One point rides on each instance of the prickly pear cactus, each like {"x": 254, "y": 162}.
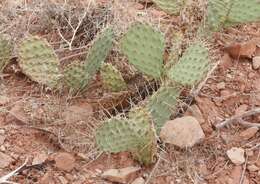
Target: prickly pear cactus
{"x": 146, "y": 149}
{"x": 243, "y": 11}
{"x": 224, "y": 13}
{"x": 144, "y": 48}
{"x": 38, "y": 61}
{"x": 134, "y": 134}
{"x": 99, "y": 51}
{"x": 112, "y": 78}
{"x": 5, "y": 52}
{"x": 77, "y": 75}
{"x": 170, "y": 6}
{"x": 192, "y": 66}
{"x": 217, "y": 13}
{"x": 162, "y": 105}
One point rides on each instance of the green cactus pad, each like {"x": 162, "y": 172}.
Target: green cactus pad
{"x": 112, "y": 78}
{"x": 134, "y": 135}
{"x": 217, "y": 13}
{"x": 5, "y": 52}
{"x": 192, "y": 66}
{"x": 99, "y": 51}
{"x": 224, "y": 13}
{"x": 243, "y": 11}
{"x": 170, "y": 6}
{"x": 162, "y": 104}
{"x": 144, "y": 48}
{"x": 145, "y": 151}
{"x": 38, "y": 61}
{"x": 77, "y": 75}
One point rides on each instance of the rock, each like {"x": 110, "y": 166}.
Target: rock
{"x": 183, "y": 132}
{"x": 256, "y": 62}
{"x": 236, "y": 155}
{"x": 2, "y": 131}
{"x": 2, "y": 139}
{"x": 248, "y": 133}
{"x": 221, "y": 85}
{"x": 124, "y": 175}
{"x": 64, "y": 161}
{"x": 40, "y": 158}
{"x": 139, "y": 181}
{"x": 252, "y": 168}
{"x": 5, "y": 160}
{"x": 225, "y": 62}
{"x": 4, "y": 100}
{"x": 77, "y": 113}
{"x": 194, "y": 110}
{"x": 241, "y": 50}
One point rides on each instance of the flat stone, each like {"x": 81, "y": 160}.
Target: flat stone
{"x": 5, "y": 160}
{"x": 236, "y": 155}
{"x": 64, "y": 161}
{"x": 4, "y": 100}
{"x": 124, "y": 175}
{"x": 182, "y": 132}
{"x": 256, "y": 62}
{"x": 248, "y": 133}
{"x": 139, "y": 180}
{"x": 252, "y": 168}
{"x": 39, "y": 159}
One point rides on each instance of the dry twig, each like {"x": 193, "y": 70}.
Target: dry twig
{"x": 4, "y": 179}
{"x": 238, "y": 118}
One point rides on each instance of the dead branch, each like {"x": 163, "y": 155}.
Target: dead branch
{"x": 4, "y": 179}
{"x": 238, "y": 118}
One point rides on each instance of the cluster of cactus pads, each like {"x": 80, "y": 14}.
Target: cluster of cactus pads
{"x": 224, "y": 13}
{"x": 144, "y": 47}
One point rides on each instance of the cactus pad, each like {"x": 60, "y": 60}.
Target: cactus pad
{"x": 5, "y": 52}
{"x": 170, "y": 6}
{"x": 77, "y": 75}
{"x": 134, "y": 134}
{"x": 112, "y": 78}
{"x": 162, "y": 104}
{"x": 38, "y": 61}
{"x": 144, "y": 48}
{"x": 99, "y": 51}
{"x": 192, "y": 66}
{"x": 224, "y": 13}
{"x": 243, "y": 11}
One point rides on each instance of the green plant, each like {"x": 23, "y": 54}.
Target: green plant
{"x": 192, "y": 66}
{"x": 134, "y": 134}
{"x": 5, "y": 52}
{"x": 38, "y": 61}
{"x": 224, "y": 13}
{"x": 170, "y": 6}
{"x": 144, "y": 48}
{"x": 111, "y": 78}
{"x": 162, "y": 104}
{"x": 78, "y": 75}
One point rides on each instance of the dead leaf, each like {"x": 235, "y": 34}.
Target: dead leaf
{"x": 241, "y": 50}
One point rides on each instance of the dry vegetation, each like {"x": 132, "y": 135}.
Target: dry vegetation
{"x": 36, "y": 120}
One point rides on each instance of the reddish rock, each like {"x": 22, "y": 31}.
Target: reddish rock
{"x": 64, "y": 161}
{"x": 124, "y": 175}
